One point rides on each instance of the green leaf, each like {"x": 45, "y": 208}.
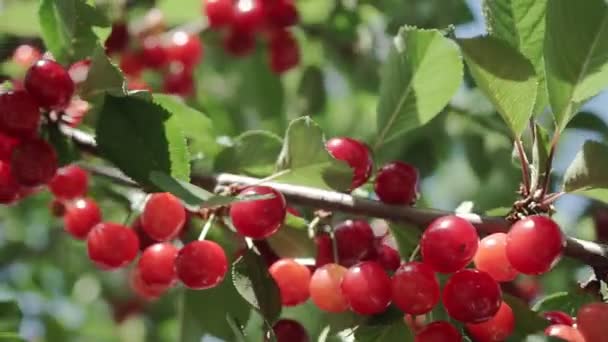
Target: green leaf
{"x": 587, "y": 174}
{"x": 197, "y": 127}
{"x": 140, "y": 137}
{"x": 10, "y": 337}
{"x": 423, "y": 71}
{"x": 103, "y": 77}
{"x": 396, "y": 331}
{"x": 253, "y": 282}
{"x": 407, "y": 238}
{"x": 294, "y": 221}
{"x": 16, "y": 18}
{"x": 253, "y": 153}
{"x": 236, "y": 329}
{"x": 576, "y": 54}
{"x": 312, "y": 97}
{"x": 189, "y": 193}
{"x": 527, "y": 322}
{"x": 67, "y": 152}
{"x": 591, "y": 122}
{"x": 67, "y": 28}
{"x": 568, "y": 302}
{"x": 305, "y": 161}
{"x": 505, "y": 76}
{"x": 10, "y": 316}
{"x": 521, "y": 23}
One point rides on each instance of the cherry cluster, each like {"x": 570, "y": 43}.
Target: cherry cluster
{"x": 245, "y": 19}
{"x": 589, "y": 324}
{"x": 174, "y": 54}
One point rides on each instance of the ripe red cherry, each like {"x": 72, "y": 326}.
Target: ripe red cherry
{"x": 185, "y": 49}
{"x": 19, "y": 114}
{"x": 259, "y": 218}
{"x": 80, "y": 217}
{"x": 388, "y": 257}
{"x": 9, "y": 188}
{"x": 523, "y": 240}
{"x": 449, "y": 243}
{"x": 179, "y": 82}
{"x": 293, "y": 280}
{"x": 26, "y": 55}
{"x": 34, "y": 162}
{"x": 143, "y": 289}
{"x": 238, "y": 43}
{"x": 284, "y": 51}
{"x": 7, "y": 145}
{"x": 50, "y": 84}
{"x": 491, "y": 257}
{"x": 281, "y": 13}
{"x": 497, "y": 329}
{"x": 325, "y": 288}
{"x": 153, "y": 53}
{"x": 438, "y": 332}
{"x": 415, "y": 289}
{"x": 324, "y": 250}
{"x": 201, "y": 265}
{"x": 111, "y": 245}
{"x": 591, "y": 321}
{"x": 163, "y": 216}
{"x": 69, "y": 182}
{"x": 248, "y": 16}
{"x": 367, "y": 288}
{"x": 355, "y": 241}
{"x": 118, "y": 40}
{"x": 219, "y": 12}
{"x": 157, "y": 265}
{"x": 355, "y": 154}
{"x": 565, "y": 333}
{"x": 287, "y": 330}
{"x": 558, "y": 317}
{"x": 131, "y": 64}
{"x": 145, "y": 241}
{"x": 471, "y": 296}
{"x": 397, "y": 183}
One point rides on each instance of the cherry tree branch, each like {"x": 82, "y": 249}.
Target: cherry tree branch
{"x": 588, "y": 252}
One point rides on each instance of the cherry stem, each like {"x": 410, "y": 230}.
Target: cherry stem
{"x": 207, "y": 227}
{"x": 312, "y": 226}
{"x": 414, "y": 254}
{"x": 549, "y": 166}
{"x": 525, "y": 171}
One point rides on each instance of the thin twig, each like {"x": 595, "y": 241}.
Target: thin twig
{"x": 525, "y": 170}
{"x": 549, "y": 166}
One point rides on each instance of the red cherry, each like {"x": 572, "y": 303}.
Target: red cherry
{"x": 324, "y": 250}
{"x": 565, "y": 333}
{"x": 201, "y": 265}
{"x": 79, "y": 71}
{"x": 388, "y": 257}
{"x": 80, "y": 217}
{"x": 19, "y": 114}
{"x": 69, "y": 182}
{"x": 293, "y": 280}
{"x": 179, "y": 82}
{"x": 415, "y": 288}
{"x": 438, "y": 332}
{"x": 25, "y": 55}
{"x": 118, "y": 40}
{"x": 157, "y": 265}
{"x": 57, "y": 208}
{"x": 287, "y": 330}
{"x": 34, "y": 162}
{"x": 9, "y": 188}
{"x": 491, "y": 257}
{"x": 367, "y": 288}
{"x": 355, "y": 241}
{"x": 281, "y": 13}
{"x": 145, "y": 240}
{"x": 284, "y": 51}
{"x": 448, "y": 244}
{"x": 239, "y": 43}
{"x": 163, "y": 216}
{"x": 325, "y": 288}
{"x": 259, "y": 219}
{"x": 219, "y": 12}
{"x": 131, "y": 64}
{"x": 185, "y": 49}
{"x": 397, "y": 183}
{"x": 471, "y": 296}
{"x": 50, "y": 84}
{"x": 523, "y": 240}
{"x": 356, "y": 154}
{"x": 591, "y": 320}
{"x": 112, "y": 245}
{"x": 497, "y": 329}
{"x": 248, "y": 16}
{"x": 558, "y": 317}
{"x": 153, "y": 53}
{"x": 7, "y": 145}
{"x": 143, "y": 289}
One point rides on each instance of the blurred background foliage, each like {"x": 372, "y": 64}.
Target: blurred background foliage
{"x": 465, "y": 153}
